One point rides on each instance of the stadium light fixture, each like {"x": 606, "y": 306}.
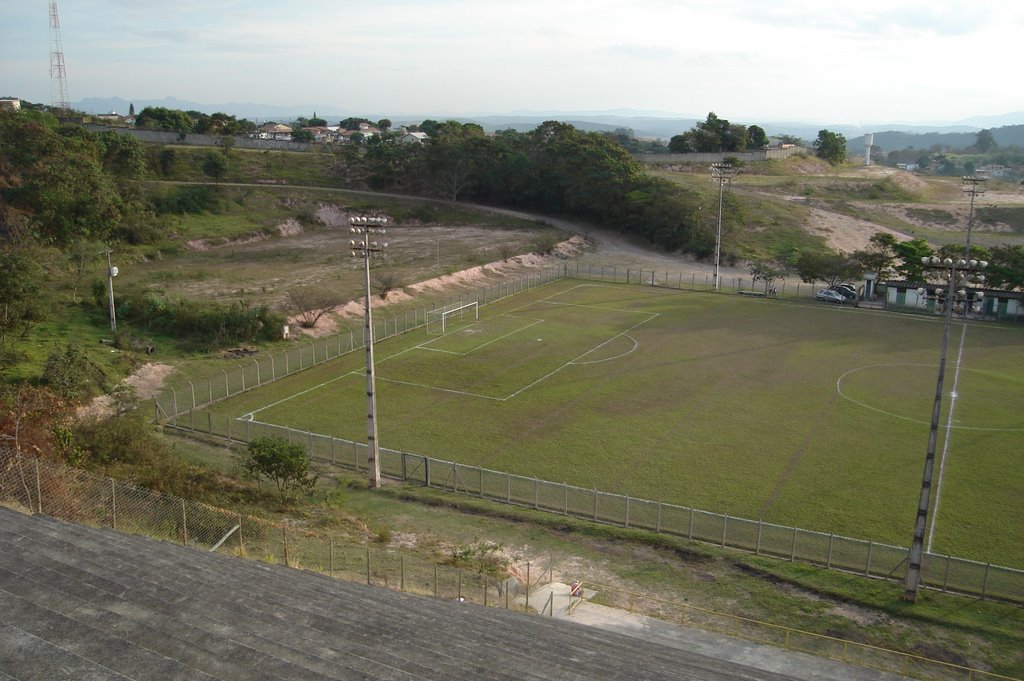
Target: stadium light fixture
{"x": 722, "y": 172}
{"x": 959, "y": 273}
{"x": 363, "y": 227}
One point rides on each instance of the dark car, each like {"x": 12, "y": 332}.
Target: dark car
{"x": 846, "y": 291}
{"x": 829, "y": 296}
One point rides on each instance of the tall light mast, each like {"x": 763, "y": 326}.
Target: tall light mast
{"x": 58, "y": 76}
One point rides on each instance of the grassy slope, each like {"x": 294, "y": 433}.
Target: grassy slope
{"x": 975, "y": 633}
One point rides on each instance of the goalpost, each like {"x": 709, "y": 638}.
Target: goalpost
{"x": 438, "y": 319}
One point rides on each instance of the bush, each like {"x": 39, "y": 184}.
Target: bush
{"x": 187, "y": 200}
{"x": 286, "y": 463}
{"x": 70, "y": 373}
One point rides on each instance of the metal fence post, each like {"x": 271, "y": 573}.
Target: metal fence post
{"x": 831, "y": 540}
{"x": 689, "y": 530}
{"x": 757, "y": 546}
{"x": 565, "y": 498}
{"x": 725, "y": 525}
{"x": 867, "y": 566}
{"x": 184, "y": 524}
{"x": 658, "y": 526}
{"x": 330, "y": 550}
{"x": 39, "y": 490}
{"x": 627, "y": 511}
{"x": 113, "y": 504}
{"x": 241, "y": 545}
{"x": 792, "y": 552}
{"x": 284, "y": 543}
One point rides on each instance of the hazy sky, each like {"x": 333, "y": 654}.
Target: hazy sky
{"x": 858, "y": 61}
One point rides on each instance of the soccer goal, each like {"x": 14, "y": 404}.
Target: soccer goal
{"x": 440, "y": 318}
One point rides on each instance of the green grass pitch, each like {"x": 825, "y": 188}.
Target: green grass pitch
{"x": 801, "y": 414}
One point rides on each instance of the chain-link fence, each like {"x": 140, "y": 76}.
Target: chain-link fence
{"x": 693, "y": 281}
{"x": 831, "y": 551}
{"x": 190, "y": 393}
{"x": 872, "y": 559}
{"x": 849, "y": 652}
{"x": 78, "y": 496}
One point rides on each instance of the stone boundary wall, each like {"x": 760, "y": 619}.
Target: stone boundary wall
{"x": 193, "y": 139}
{"x": 718, "y": 157}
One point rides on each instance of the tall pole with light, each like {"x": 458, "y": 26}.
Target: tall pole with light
{"x": 364, "y": 248}
{"x": 959, "y": 273}
{"x": 972, "y": 185}
{"x": 722, "y": 172}
{"x": 111, "y": 273}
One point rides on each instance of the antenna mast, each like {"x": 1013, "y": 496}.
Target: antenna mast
{"x": 58, "y": 77}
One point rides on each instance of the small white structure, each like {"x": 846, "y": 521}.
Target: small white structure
{"x": 869, "y": 140}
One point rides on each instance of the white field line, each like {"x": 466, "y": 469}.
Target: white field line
{"x": 839, "y": 389}
{"x": 424, "y": 346}
{"x": 619, "y": 356}
{"x": 579, "y": 357}
{"x": 949, "y": 434}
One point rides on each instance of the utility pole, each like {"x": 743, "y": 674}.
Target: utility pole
{"x": 723, "y": 172}
{"x": 111, "y": 273}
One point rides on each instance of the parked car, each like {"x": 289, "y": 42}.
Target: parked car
{"x": 846, "y": 291}
{"x": 845, "y": 287}
{"x": 829, "y": 296}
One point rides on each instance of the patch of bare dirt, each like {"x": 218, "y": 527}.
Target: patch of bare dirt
{"x": 328, "y": 324}
{"x": 147, "y": 381}
{"x": 847, "y": 234}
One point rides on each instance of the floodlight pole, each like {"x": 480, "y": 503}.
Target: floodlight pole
{"x": 957, "y": 271}
{"x": 973, "y": 185}
{"x": 723, "y": 172}
{"x": 365, "y": 248}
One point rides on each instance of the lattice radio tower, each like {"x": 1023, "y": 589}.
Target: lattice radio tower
{"x": 58, "y": 77}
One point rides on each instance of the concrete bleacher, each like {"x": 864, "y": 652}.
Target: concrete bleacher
{"x": 91, "y": 604}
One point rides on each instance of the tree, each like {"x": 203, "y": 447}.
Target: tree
{"x": 384, "y": 124}
{"x": 985, "y": 142}
{"x": 1006, "y": 270}
{"x": 70, "y": 373}
{"x": 315, "y": 122}
{"x": 681, "y": 144}
{"x": 286, "y": 463}
{"x": 304, "y": 136}
{"x": 215, "y": 164}
{"x": 311, "y": 303}
{"x": 21, "y": 280}
{"x": 767, "y": 271}
{"x": 827, "y": 266}
{"x": 831, "y": 147}
{"x": 52, "y": 179}
{"x": 756, "y": 137}
{"x": 161, "y": 118}
{"x": 879, "y": 256}
{"x": 909, "y": 254}
{"x": 352, "y": 123}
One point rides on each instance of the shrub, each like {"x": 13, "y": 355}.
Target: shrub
{"x": 70, "y": 373}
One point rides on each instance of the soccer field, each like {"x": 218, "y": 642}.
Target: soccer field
{"x": 800, "y": 414}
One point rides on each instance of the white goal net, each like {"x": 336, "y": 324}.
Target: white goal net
{"x": 440, "y": 319}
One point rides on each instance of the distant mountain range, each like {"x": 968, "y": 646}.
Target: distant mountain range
{"x": 646, "y": 124}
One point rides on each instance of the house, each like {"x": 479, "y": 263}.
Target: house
{"x": 993, "y": 170}
{"x": 413, "y": 138}
{"x": 986, "y": 303}
{"x": 324, "y": 134}
{"x": 10, "y": 104}
{"x": 274, "y": 131}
